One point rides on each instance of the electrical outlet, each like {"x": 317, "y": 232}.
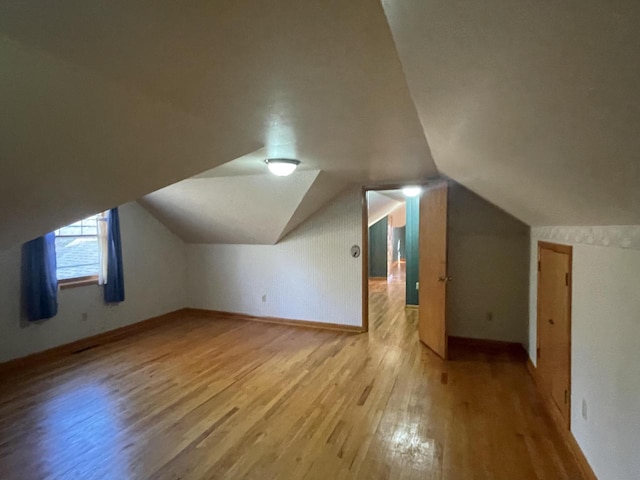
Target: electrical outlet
{"x": 85, "y": 316}
{"x": 264, "y": 298}
{"x": 417, "y": 285}
{"x": 584, "y": 409}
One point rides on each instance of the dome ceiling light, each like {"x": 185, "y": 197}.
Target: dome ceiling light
{"x": 282, "y": 166}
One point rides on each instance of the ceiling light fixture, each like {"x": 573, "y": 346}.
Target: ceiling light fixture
{"x": 411, "y": 191}
{"x": 282, "y": 166}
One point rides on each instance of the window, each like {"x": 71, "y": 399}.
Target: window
{"x": 78, "y": 251}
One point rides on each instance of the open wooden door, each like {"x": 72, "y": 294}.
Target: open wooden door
{"x": 433, "y": 268}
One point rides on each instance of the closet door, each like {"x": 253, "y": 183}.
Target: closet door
{"x": 554, "y": 324}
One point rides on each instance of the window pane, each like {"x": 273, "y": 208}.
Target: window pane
{"x": 71, "y": 230}
{"x": 86, "y": 226}
{"x": 77, "y": 252}
{"x": 89, "y": 226}
{"x": 77, "y": 257}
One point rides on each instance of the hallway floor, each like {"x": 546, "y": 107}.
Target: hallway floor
{"x": 205, "y": 398}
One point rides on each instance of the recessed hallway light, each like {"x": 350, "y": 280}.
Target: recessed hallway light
{"x": 411, "y": 191}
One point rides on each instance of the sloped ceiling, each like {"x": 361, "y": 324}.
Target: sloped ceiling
{"x": 247, "y": 209}
{"x": 395, "y": 194}
{"x": 105, "y": 102}
{"x": 199, "y": 211}
{"x": 379, "y": 206}
{"x": 250, "y": 164}
{"x": 325, "y": 188}
{"x": 534, "y": 105}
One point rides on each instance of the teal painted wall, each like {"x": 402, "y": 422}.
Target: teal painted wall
{"x": 411, "y": 248}
{"x": 378, "y": 248}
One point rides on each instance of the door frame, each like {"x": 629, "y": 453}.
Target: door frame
{"x": 568, "y": 250}
{"x": 365, "y": 238}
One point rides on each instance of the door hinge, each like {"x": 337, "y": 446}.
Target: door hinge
{"x": 539, "y": 266}
{"x": 538, "y": 353}
{"x": 566, "y": 279}
{"x": 566, "y": 396}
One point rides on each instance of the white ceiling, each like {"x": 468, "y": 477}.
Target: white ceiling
{"x": 533, "y": 105}
{"x": 395, "y": 194}
{"x": 105, "y": 102}
{"x": 247, "y": 209}
{"x": 241, "y": 209}
{"x": 250, "y": 164}
{"x": 198, "y": 209}
{"x": 379, "y": 206}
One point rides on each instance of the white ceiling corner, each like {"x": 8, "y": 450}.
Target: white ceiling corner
{"x": 324, "y": 189}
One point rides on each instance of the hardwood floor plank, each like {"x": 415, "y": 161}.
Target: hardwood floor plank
{"x": 203, "y": 398}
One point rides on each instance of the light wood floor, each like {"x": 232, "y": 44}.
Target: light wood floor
{"x": 204, "y": 398}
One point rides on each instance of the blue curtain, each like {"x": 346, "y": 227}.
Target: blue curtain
{"x": 114, "y": 288}
{"x": 39, "y": 277}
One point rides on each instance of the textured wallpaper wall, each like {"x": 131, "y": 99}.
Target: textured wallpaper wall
{"x": 310, "y": 275}
{"x": 619, "y": 236}
{"x": 605, "y": 328}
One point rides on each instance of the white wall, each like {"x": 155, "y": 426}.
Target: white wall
{"x": 605, "y": 342}
{"x": 488, "y": 260}
{"x": 398, "y": 216}
{"x": 309, "y": 275}
{"x": 155, "y": 283}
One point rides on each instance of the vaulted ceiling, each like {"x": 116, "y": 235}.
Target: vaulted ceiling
{"x": 105, "y": 102}
{"x": 242, "y": 209}
{"x": 206, "y": 210}
{"x": 532, "y": 105}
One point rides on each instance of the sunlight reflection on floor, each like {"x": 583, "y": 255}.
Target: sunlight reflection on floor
{"x": 97, "y": 446}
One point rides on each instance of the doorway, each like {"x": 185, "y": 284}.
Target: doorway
{"x": 554, "y": 325}
{"x": 404, "y": 264}
{"x": 387, "y": 259}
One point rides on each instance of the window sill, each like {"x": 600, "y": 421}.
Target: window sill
{"x": 78, "y": 282}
